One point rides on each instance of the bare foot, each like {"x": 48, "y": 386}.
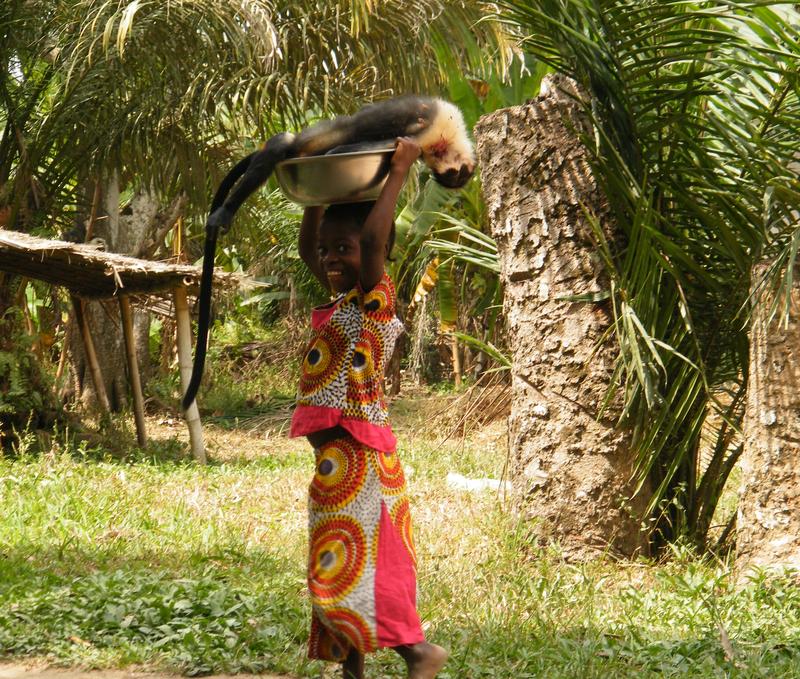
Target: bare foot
{"x": 424, "y": 660}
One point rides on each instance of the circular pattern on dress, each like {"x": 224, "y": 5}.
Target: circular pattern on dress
{"x": 390, "y": 472}
{"x": 351, "y": 625}
{"x": 337, "y": 553}
{"x": 376, "y": 534}
{"x": 376, "y": 301}
{"x": 401, "y": 518}
{"x": 330, "y": 648}
{"x": 323, "y": 359}
{"x": 325, "y": 644}
{"x": 366, "y": 355}
{"x": 351, "y": 297}
{"x": 365, "y": 374}
{"x": 339, "y": 475}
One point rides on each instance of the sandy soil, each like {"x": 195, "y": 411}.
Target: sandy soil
{"x": 40, "y": 670}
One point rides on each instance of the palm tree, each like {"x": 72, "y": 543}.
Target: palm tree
{"x": 157, "y": 97}
{"x": 694, "y": 109}
{"x": 148, "y": 87}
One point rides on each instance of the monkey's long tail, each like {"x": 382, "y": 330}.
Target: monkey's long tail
{"x": 256, "y": 168}
{"x": 204, "y": 317}
{"x": 229, "y": 181}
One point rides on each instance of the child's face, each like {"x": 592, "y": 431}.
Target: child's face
{"x": 339, "y": 254}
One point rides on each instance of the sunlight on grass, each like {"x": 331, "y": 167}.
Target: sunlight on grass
{"x": 155, "y": 560}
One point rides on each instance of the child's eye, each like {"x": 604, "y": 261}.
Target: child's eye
{"x": 341, "y": 249}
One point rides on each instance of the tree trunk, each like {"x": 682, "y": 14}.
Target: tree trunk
{"x": 570, "y": 470}
{"x": 769, "y": 521}
{"x": 124, "y": 233}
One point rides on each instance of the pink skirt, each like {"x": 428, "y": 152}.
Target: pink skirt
{"x": 362, "y": 565}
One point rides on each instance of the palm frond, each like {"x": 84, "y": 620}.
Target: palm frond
{"x": 147, "y": 87}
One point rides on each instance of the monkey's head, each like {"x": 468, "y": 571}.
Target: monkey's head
{"x": 446, "y": 147}
{"x": 454, "y": 178}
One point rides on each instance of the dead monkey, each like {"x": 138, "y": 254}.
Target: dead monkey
{"x": 436, "y": 125}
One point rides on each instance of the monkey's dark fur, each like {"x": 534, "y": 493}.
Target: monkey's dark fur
{"x": 436, "y": 125}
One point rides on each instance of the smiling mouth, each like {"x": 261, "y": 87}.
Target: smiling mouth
{"x": 335, "y": 277}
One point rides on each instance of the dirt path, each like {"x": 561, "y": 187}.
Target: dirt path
{"x": 39, "y": 670}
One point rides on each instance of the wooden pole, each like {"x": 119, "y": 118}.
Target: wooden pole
{"x": 62, "y": 359}
{"x": 456, "y": 361}
{"x": 95, "y": 206}
{"x": 183, "y": 336}
{"x": 91, "y": 355}
{"x": 133, "y": 369}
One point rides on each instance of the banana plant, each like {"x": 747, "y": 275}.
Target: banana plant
{"x": 444, "y": 245}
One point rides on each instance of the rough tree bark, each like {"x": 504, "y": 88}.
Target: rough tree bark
{"x": 129, "y": 233}
{"x": 570, "y": 470}
{"x": 768, "y": 524}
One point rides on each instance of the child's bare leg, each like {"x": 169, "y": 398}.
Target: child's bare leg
{"x": 424, "y": 660}
{"x": 353, "y": 665}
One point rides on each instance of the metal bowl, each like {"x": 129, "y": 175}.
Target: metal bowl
{"x": 336, "y": 178}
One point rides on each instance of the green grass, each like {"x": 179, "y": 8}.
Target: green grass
{"x": 150, "y": 559}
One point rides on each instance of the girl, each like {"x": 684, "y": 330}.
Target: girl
{"x": 361, "y": 569}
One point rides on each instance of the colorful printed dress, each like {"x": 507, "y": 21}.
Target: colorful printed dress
{"x": 362, "y": 564}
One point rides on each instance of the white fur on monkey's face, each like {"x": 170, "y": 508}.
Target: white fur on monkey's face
{"x": 446, "y": 147}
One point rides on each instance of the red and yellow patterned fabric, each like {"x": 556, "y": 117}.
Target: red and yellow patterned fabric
{"x": 361, "y": 565}
{"x": 341, "y": 382}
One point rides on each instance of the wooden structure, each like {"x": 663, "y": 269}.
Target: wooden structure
{"x": 93, "y": 274}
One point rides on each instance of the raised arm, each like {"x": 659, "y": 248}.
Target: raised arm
{"x": 376, "y": 229}
{"x": 308, "y": 245}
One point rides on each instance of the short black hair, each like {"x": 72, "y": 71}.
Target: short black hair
{"x": 356, "y": 213}
{"x": 353, "y": 216}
